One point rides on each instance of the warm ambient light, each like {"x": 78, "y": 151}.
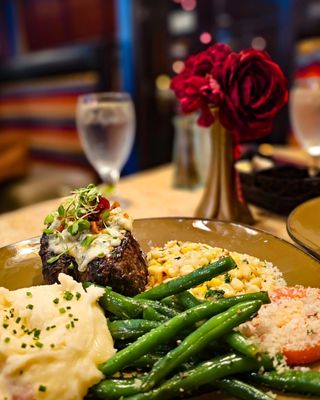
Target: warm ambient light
{"x": 163, "y": 82}
{"x": 205, "y": 37}
{"x": 188, "y": 5}
{"x": 258, "y": 43}
{"x": 177, "y": 66}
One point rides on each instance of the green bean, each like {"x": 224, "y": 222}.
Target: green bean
{"x": 171, "y": 328}
{"x": 188, "y": 281}
{"x": 116, "y": 388}
{"x": 241, "y": 344}
{"x": 127, "y": 307}
{"x": 172, "y": 302}
{"x": 151, "y": 314}
{"x": 130, "y": 329}
{"x": 305, "y": 382}
{"x": 211, "y": 330}
{"x": 146, "y": 361}
{"x": 187, "y": 300}
{"x": 203, "y": 374}
{"x": 244, "y": 346}
{"x": 119, "y": 305}
{"x": 160, "y": 308}
{"x": 241, "y": 390}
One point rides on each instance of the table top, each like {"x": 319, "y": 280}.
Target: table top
{"x": 143, "y": 195}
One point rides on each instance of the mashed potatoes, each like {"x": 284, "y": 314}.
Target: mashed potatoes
{"x": 51, "y": 340}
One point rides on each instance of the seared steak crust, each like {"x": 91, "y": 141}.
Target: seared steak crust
{"x": 125, "y": 269}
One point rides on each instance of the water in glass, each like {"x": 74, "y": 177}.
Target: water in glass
{"x": 106, "y": 124}
{"x": 305, "y": 114}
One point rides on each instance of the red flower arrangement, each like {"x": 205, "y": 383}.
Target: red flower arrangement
{"x": 247, "y": 89}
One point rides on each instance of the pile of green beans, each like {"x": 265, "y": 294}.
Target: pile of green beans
{"x": 172, "y": 345}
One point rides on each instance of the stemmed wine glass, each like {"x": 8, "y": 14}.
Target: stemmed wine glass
{"x": 305, "y": 117}
{"x": 106, "y": 126}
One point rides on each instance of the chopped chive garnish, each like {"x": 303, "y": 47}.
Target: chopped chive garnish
{"x": 86, "y": 242}
{"x": 67, "y": 295}
{"x": 70, "y": 266}
{"x": 37, "y": 333}
{"x": 56, "y": 300}
{"x": 52, "y": 260}
{"x": 30, "y": 306}
{"x": 42, "y": 388}
{"x": 62, "y": 310}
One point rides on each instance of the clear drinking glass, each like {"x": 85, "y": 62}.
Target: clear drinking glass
{"x": 305, "y": 116}
{"x": 106, "y": 125}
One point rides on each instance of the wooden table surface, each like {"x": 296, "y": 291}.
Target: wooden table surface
{"x": 146, "y": 194}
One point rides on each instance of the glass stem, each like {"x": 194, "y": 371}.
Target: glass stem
{"x": 110, "y": 176}
{"x": 315, "y": 166}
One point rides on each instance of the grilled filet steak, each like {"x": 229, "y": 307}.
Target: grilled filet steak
{"x": 124, "y": 269}
{"x": 90, "y": 239}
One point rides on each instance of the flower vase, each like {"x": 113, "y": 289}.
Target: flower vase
{"x": 222, "y": 198}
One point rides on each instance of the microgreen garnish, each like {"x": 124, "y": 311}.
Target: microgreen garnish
{"x": 76, "y": 213}
{"x": 83, "y": 224}
{"x": 83, "y": 203}
{"x": 73, "y": 228}
{"x": 105, "y": 215}
{"x": 61, "y": 211}
{"x": 49, "y": 219}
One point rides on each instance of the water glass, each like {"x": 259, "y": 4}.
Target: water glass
{"x": 106, "y": 125}
{"x": 305, "y": 116}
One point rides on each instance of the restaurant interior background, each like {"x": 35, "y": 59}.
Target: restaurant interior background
{"x": 51, "y": 51}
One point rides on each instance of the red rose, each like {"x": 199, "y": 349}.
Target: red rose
{"x": 197, "y": 86}
{"x": 255, "y": 89}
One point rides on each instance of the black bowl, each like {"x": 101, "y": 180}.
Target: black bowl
{"x": 280, "y": 189}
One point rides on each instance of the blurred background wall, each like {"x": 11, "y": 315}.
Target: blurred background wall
{"x": 51, "y": 51}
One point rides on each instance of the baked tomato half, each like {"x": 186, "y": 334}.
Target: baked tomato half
{"x": 303, "y": 353}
